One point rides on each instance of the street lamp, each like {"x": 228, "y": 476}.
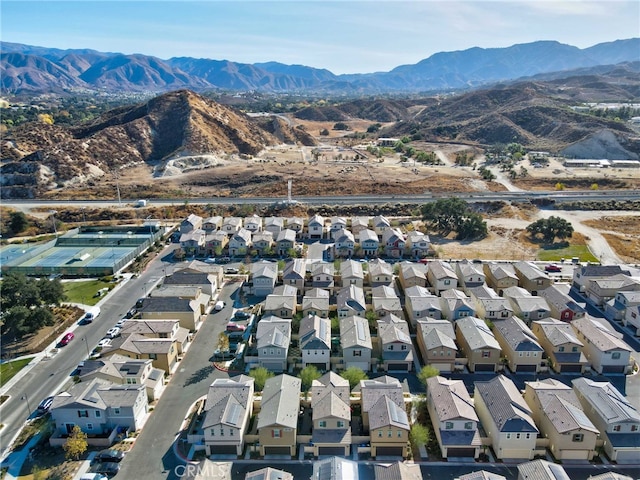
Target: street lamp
{"x": 86, "y": 345}
{"x": 25, "y": 397}
{"x": 53, "y": 220}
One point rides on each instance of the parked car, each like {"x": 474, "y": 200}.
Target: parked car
{"x": 120, "y": 323}
{"x": 242, "y": 315}
{"x": 93, "y": 476}
{"x": 552, "y": 268}
{"x": 105, "y": 342}
{"x": 131, "y": 313}
{"x": 113, "y": 332}
{"x": 45, "y": 405}
{"x": 231, "y": 270}
{"x": 222, "y": 354}
{"x": 106, "y": 468}
{"x": 219, "y": 305}
{"x": 234, "y": 327}
{"x": 109, "y": 455}
{"x": 210, "y": 260}
{"x": 66, "y": 339}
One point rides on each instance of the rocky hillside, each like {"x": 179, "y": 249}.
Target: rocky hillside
{"x": 176, "y": 125}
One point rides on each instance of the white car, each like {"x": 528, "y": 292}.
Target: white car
{"x": 120, "y": 323}
{"x": 105, "y": 342}
{"x": 113, "y": 332}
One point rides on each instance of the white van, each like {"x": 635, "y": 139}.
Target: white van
{"x": 93, "y": 476}
{"x": 218, "y": 306}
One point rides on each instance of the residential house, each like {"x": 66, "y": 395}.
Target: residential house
{"x": 122, "y": 370}
{"x": 395, "y": 344}
{"x": 351, "y": 273}
{"x": 283, "y": 302}
{"x": 158, "y": 329}
{"x": 231, "y": 225}
{"x": 191, "y": 312}
{"x": 331, "y": 415}
{"x": 350, "y": 301}
{"x": 285, "y": 242}
{"x": 273, "y": 338}
{"x": 562, "y": 306}
{"x": 441, "y": 276}
{"x": 558, "y": 414}
{"x": 519, "y": 345}
{"x": 632, "y": 318}
{"x": 488, "y": 304}
{"x": 397, "y": 471}
{"x": 253, "y": 224}
{"x": 193, "y": 242}
{"x": 163, "y": 352}
{"x": 267, "y": 473}
{"x": 385, "y": 300}
{"x": 453, "y": 417}
{"x": 278, "y": 416}
{"x": 263, "y": 277}
{"x": 412, "y": 275}
{"x": 617, "y": 419}
{"x": 480, "y": 475}
{"x": 500, "y": 276}
{"x": 262, "y": 242}
{"x": 335, "y": 225}
{"x": 316, "y": 302}
{"x": 531, "y": 277}
{"x": 212, "y": 224}
{"x": 335, "y": 468}
{"x": 203, "y": 267}
{"x": 191, "y": 223}
{"x": 315, "y": 227}
{"x": 506, "y": 418}
{"x": 421, "y": 304}
{"x": 582, "y": 275}
{"x": 355, "y": 340}
{"x": 389, "y": 429}
{"x": 530, "y": 308}
{"x": 315, "y": 342}
{"x": 294, "y": 273}
{"x": 297, "y": 225}
{"x": 600, "y": 290}
{"x": 604, "y": 348}
{"x": 380, "y": 223}
{"x": 394, "y": 243}
{"x": 322, "y": 275}
{"x": 100, "y": 409}
{"x": 369, "y": 242}
{"x": 560, "y": 343}
{"x": 274, "y": 225}
{"x": 455, "y": 304}
{"x": 418, "y": 244}
{"x": 208, "y": 283}
{"x": 380, "y": 273}
{"x": 436, "y": 340}
{"x": 478, "y": 344}
{"x": 371, "y": 391}
{"x": 240, "y": 243}
{"x": 617, "y": 308}
{"x": 344, "y": 243}
{"x": 215, "y": 243}
{"x": 541, "y": 470}
{"x": 227, "y": 410}
{"x": 469, "y": 274}
{"x": 359, "y": 223}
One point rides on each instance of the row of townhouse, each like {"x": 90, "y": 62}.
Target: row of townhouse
{"x": 230, "y": 404}
{"x": 569, "y": 421}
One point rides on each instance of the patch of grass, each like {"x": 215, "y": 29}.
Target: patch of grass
{"x": 9, "y": 369}
{"x": 83, "y": 292}
{"x": 626, "y": 246}
{"x": 556, "y": 254}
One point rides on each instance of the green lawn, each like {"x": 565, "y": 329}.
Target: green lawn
{"x": 83, "y": 292}
{"x": 9, "y": 369}
{"x": 555, "y": 255}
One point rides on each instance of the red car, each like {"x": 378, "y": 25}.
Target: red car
{"x": 234, "y": 327}
{"x": 552, "y": 268}
{"x": 66, "y": 339}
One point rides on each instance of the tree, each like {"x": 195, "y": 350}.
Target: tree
{"x": 426, "y": 373}
{"x": 76, "y": 444}
{"x": 419, "y": 435}
{"x": 340, "y": 126}
{"x": 260, "y": 376}
{"x": 223, "y": 341}
{"x": 18, "y": 222}
{"x": 453, "y": 214}
{"x": 353, "y": 375}
{"x": 308, "y": 374}
{"x": 548, "y": 229}
{"x": 51, "y": 291}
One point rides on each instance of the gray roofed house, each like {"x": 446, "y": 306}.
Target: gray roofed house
{"x": 604, "y": 347}
{"x": 355, "y": 340}
{"x": 283, "y": 301}
{"x": 315, "y": 341}
{"x": 488, "y": 304}
{"x": 387, "y": 416}
{"x": 397, "y": 471}
{"x": 480, "y": 475}
{"x": 385, "y": 300}
{"x": 192, "y": 222}
{"x": 531, "y": 277}
{"x": 506, "y": 418}
{"x": 421, "y": 304}
{"x": 190, "y": 312}
{"x": 469, "y": 274}
{"x": 351, "y": 273}
{"x": 500, "y": 276}
{"x": 335, "y": 468}
{"x": 240, "y": 242}
{"x": 193, "y": 241}
{"x": 211, "y": 224}
{"x": 344, "y": 243}
{"x": 441, "y": 276}
{"x": 436, "y": 341}
{"x": 351, "y": 301}
{"x": 583, "y": 274}
{"x": 285, "y": 241}
{"x": 263, "y": 277}
{"x": 478, "y": 344}
{"x": 455, "y": 305}
{"x": 380, "y": 223}
{"x": 530, "y": 308}
{"x": 412, "y": 274}
{"x": 372, "y": 390}
{"x": 600, "y": 290}
{"x": 617, "y": 307}
{"x": 561, "y": 344}
{"x": 268, "y": 473}
{"x": 331, "y": 415}
{"x": 278, "y": 417}
{"x": 215, "y": 242}
{"x": 380, "y": 273}
{"x": 368, "y": 241}
{"x": 322, "y": 275}
{"x": 394, "y": 243}
{"x": 617, "y": 419}
{"x": 253, "y": 223}
{"x": 359, "y": 223}
{"x": 454, "y": 418}
{"x": 562, "y": 306}
{"x": 273, "y": 338}
{"x": 519, "y": 345}
{"x": 227, "y": 410}
{"x": 274, "y": 225}
{"x": 169, "y": 328}
{"x": 418, "y": 244}
{"x": 231, "y": 225}
{"x": 541, "y": 470}
{"x": 396, "y": 344}
{"x": 296, "y": 224}
{"x": 208, "y": 282}
{"x": 337, "y": 223}
{"x": 294, "y": 273}
{"x": 262, "y": 241}
{"x": 316, "y": 302}
{"x": 330, "y": 382}
{"x": 560, "y": 418}
{"x": 315, "y": 227}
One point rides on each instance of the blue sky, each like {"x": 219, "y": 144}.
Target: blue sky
{"x": 347, "y": 36}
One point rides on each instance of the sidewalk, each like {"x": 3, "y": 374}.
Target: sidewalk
{"x": 16, "y": 459}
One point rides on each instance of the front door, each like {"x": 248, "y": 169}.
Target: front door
{"x": 69, "y": 427}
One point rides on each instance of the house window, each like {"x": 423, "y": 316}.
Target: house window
{"x": 276, "y": 433}
{"x": 508, "y": 436}
{"x": 89, "y": 426}
{"x": 83, "y": 413}
{"x": 486, "y": 353}
{"x": 340, "y": 424}
{"x": 468, "y": 425}
{"x": 322, "y": 423}
{"x": 505, "y": 314}
{"x": 615, "y": 355}
{"x": 448, "y": 425}
{"x": 403, "y": 347}
{"x": 578, "y": 437}
{"x": 213, "y": 432}
{"x": 97, "y": 413}
{"x": 131, "y": 381}
{"x": 264, "y": 351}
{"x": 271, "y": 352}
{"x": 616, "y": 428}
{"x": 390, "y": 347}
{"x": 379, "y": 433}
{"x": 561, "y": 349}
{"x": 574, "y": 349}
{"x": 399, "y": 433}
{"x": 528, "y": 436}
{"x": 520, "y": 354}
{"x": 231, "y": 432}
{"x": 634, "y": 428}
{"x": 357, "y": 353}
{"x": 116, "y": 411}
{"x": 153, "y": 356}
{"x": 447, "y": 282}
{"x": 518, "y": 436}
{"x": 389, "y": 433}
{"x": 221, "y": 432}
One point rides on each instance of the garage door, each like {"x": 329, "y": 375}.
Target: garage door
{"x": 322, "y": 367}
{"x": 223, "y": 449}
{"x": 525, "y": 368}
{"x": 461, "y": 452}
{"x": 627, "y": 456}
{"x": 442, "y": 367}
{"x": 485, "y": 367}
{"x": 570, "y": 368}
{"x": 273, "y": 367}
{"x": 613, "y": 369}
{"x": 331, "y": 451}
{"x": 389, "y": 451}
{"x": 398, "y": 367}
{"x": 277, "y": 450}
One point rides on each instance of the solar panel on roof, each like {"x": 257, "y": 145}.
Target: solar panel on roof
{"x": 360, "y": 331}
{"x": 234, "y": 414}
{"x": 393, "y": 412}
{"x": 323, "y": 329}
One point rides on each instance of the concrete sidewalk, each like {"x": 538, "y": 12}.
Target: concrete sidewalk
{"x": 16, "y": 459}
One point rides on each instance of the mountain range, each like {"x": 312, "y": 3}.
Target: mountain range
{"x": 32, "y": 69}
